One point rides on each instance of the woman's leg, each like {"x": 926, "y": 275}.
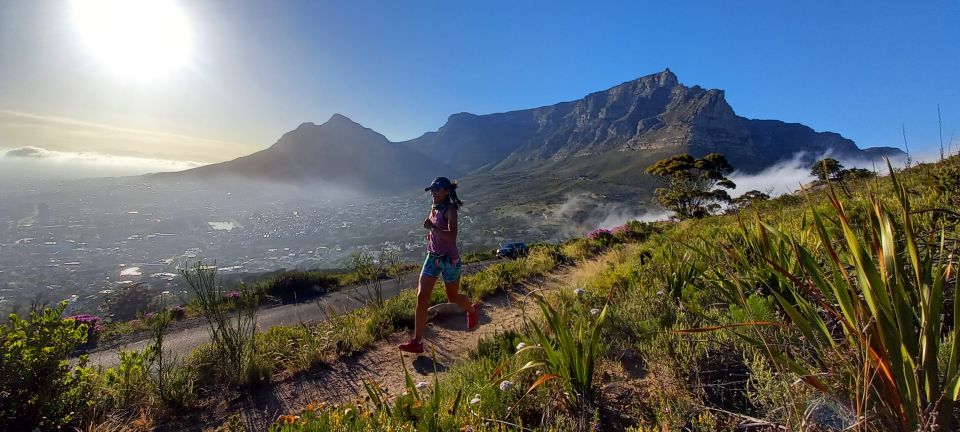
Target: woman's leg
{"x": 454, "y": 295}
{"x": 424, "y": 291}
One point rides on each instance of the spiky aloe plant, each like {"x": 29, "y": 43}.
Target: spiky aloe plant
{"x": 870, "y": 301}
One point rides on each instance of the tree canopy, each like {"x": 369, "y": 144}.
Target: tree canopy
{"x": 693, "y": 188}
{"x": 827, "y": 169}
{"x": 831, "y": 169}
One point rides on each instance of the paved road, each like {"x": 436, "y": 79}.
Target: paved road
{"x": 183, "y": 340}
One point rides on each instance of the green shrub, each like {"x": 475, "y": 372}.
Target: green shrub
{"x": 39, "y": 389}
{"x": 129, "y": 382}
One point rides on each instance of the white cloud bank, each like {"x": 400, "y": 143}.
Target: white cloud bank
{"x": 788, "y": 175}
{"x": 583, "y": 212}
{"x": 29, "y": 162}
{"x": 20, "y": 129}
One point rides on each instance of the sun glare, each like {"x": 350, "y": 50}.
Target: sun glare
{"x": 139, "y": 39}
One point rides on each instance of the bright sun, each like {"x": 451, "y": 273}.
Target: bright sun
{"x": 139, "y": 39}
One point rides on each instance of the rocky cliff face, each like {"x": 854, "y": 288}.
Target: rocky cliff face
{"x": 652, "y": 112}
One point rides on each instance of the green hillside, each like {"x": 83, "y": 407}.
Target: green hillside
{"x": 828, "y": 310}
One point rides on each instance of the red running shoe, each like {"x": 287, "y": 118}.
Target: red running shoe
{"x": 473, "y": 317}
{"x": 412, "y": 346}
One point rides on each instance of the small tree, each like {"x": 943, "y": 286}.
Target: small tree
{"x": 827, "y": 169}
{"x": 857, "y": 174}
{"x": 368, "y": 271}
{"x": 392, "y": 261}
{"x": 742, "y": 201}
{"x": 692, "y": 187}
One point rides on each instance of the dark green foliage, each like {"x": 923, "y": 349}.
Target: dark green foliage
{"x": 478, "y": 256}
{"x": 827, "y": 169}
{"x": 693, "y": 188}
{"x": 38, "y": 388}
{"x": 498, "y": 347}
{"x": 831, "y": 169}
{"x": 947, "y": 175}
{"x": 298, "y": 284}
{"x": 857, "y": 174}
{"x": 747, "y": 199}
{"x": 637, "y": 231}
{"x": 125, "y": 303}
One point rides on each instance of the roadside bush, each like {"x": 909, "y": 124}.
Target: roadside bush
{"x": 603, "y": 236}
{"x": 129, "y": 382}
{"x": 478, "y": 256}
{"x": 38, "y": 388}
{"x": 128, "y": 302}
{"x": 178, "y": 312}
{"x": 579, "y": 249}
{"x": 298, "y": 284}
{"x": 92, "y": 323}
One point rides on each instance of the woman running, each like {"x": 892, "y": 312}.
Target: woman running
{"x": 442, "y": 258}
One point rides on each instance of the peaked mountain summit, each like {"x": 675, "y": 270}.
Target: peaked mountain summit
{"x": 339, "y": 152}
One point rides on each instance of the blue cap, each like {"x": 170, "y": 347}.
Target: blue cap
{"x": 439, "y": 183}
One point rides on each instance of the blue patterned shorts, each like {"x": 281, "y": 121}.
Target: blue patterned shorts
{"x": 434, "y": 265}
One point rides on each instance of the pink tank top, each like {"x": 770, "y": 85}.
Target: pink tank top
{"x": 437, "y": 244}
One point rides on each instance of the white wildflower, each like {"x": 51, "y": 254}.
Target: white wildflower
{"x": 579, "y": 292}
{"x": 475, "y": 400}
{"x": 422, "y": 385}
{"x": 505, "y": 385}
{"x": 521, "y": 346}
{"x": 594, "y": 311}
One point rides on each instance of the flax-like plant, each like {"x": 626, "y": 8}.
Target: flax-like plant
{"x": 567, "y": 353}
{"x": 869, "y": 306}
{"x": 233, "y": 332}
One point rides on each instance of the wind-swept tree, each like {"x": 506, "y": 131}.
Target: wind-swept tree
{"x": 827, "y": 169}
{"x": 692, "y": 188}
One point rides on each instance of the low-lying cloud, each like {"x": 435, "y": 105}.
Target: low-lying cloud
{"x": 582, "y": 212}
{"x": 789, "y": 175}
{"x": 31, "y": 162}
{"x": 77, "y": 136}
{"x": 28, "y": 151}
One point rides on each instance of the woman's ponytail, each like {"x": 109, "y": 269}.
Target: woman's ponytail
{"x": 453, "y": 198}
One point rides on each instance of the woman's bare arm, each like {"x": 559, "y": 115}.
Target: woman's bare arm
{"x": 452, "y": 225}
{"x": 426, "y": 222}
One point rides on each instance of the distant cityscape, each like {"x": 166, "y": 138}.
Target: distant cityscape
{"x": 80, "y": 242}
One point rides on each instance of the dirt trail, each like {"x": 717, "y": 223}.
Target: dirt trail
{"x": 343, "y": 380}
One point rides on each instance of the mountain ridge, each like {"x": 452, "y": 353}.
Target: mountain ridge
{"x": 653, "y": 114}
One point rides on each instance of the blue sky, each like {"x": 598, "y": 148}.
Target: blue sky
{"x": 259, "y": 68}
